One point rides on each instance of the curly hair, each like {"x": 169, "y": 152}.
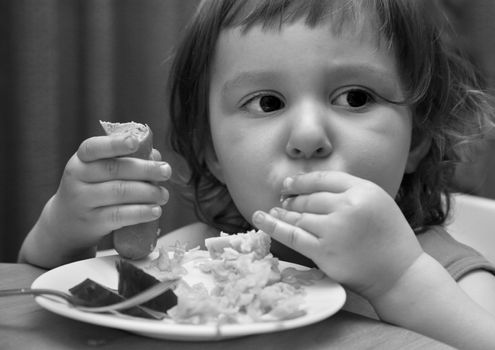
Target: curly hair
{"x": 442, "y": 88}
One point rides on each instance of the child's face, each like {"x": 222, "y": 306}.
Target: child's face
{"x": 300, "y": 100}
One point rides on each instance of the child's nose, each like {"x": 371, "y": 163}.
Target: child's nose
{"x": 309, "y": 135}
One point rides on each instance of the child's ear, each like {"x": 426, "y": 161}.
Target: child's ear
{"x": 213, "y": 164}
{"x": 419, "y": 147}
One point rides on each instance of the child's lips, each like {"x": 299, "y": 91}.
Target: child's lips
{"x": 286, "y": 194}
{"x": 284, "y": 199}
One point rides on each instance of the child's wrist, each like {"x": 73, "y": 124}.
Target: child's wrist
{"x": 49, "y": 245}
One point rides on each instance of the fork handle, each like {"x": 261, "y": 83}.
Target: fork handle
{"x": 32, "y": 291}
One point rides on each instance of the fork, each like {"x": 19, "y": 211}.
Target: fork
{"x": 80, "y": 304}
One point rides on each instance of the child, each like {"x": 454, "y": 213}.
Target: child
{"x": 349, "y": 113}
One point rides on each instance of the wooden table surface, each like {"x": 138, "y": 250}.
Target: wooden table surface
{"x": 25, "y": 325}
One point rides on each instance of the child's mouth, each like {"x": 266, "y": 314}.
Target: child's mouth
{"x": 283, "y": 197}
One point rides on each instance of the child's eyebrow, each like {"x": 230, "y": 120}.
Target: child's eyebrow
{"x": 248, "y": 77}
{"x": 376, "y": 74}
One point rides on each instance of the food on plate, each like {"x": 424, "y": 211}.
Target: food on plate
{"x": 237, "y": 280}
{"x": 133, "y": 280}
{"x": 135, "y": 241}
{"x": 94, "y": 294}
{"x": 257, "y": 242}
{"x": 248, "y": 284}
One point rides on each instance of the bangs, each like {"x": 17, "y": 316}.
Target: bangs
{"x": 349, "y": 15}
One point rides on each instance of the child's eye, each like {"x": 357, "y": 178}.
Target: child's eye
{"x": 264, "y": 103}
{"x": 354, "y": 98}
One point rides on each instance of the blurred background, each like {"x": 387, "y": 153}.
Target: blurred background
{"x": 66, "y": 64}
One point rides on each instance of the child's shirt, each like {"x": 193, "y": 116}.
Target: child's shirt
{"x": 457, "y": 258}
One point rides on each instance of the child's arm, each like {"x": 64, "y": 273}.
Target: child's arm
{"x": 480, "y": 286}
{"x": 427, "y": 300}
{"x": 356, "y": 234}
{"x": 101, "y": 190}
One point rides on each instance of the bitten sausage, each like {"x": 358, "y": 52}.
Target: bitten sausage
{"x": 135, "y": 241}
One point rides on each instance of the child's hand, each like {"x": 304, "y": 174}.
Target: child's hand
{"x": 102, "y": 190}
{"x": 351, "y": 228}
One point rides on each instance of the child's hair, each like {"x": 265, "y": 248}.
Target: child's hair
{"x": 442, "y": 89}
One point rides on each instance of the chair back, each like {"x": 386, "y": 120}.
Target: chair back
{"x": 473, "y": 223}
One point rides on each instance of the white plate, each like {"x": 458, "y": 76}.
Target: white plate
{"x": 322, "y": 299}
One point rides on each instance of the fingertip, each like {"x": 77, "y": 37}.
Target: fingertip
{"x": 276, "y": 212}
{"x": 156, "y": 211}
{"x": 165, "y": 171}
{"x": 165, "y": 195}
{"x": 131, "y": 143}
{"x": 258, "y": 218}
{"x": 265, "y": 222}
{"x": 114, "y": 145}
{"x": 86, "y": 151}
{"x": 287, "y": 185}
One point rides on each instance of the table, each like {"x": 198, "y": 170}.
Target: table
{"x": 25, "y": 325}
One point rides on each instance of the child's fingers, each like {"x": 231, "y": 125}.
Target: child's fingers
{"x": 292, "y": 236}
{"x": 316, "y": 203}
{"x": 290, "y": 217}
{"x": 319, "y": 181}
{"x": 124, "y": 192}
{"x": 124, "y": 168}
{"x": 100, "y": 147}
{"x": 115, "y": 217}
{"x": 311, "y": 223}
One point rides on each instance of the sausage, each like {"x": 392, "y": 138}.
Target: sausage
{"x": 136, "y": 241}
